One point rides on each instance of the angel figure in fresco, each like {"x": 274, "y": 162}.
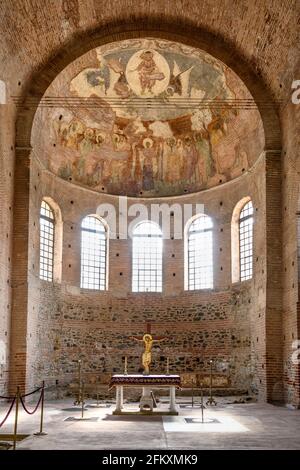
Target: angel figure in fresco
{"x": 179, "y": 81}
{"x": 146, "y": 163}
{"x": 148, "y": 71}
{"x": 147, "y": 356}
{"x": 121, "y": 87}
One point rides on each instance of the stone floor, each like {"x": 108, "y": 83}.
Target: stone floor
{"x": 226, "y": 426}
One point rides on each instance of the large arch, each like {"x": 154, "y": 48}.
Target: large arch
{"x": 185, "y": 33}
{"x": 35, "y": 88}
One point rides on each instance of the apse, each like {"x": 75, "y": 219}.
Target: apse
{"x": 148, "y": 117}
{"x": 155, "y": 122}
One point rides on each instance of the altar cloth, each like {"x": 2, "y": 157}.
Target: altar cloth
{"x": 141, "y": 380}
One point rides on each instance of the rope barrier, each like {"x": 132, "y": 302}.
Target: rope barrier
{"x": 18, "y": 398}
{"x": 23, "y": 396}
{"x": 31, "y": 393}
{"x": 36, "y": 407}
{"x": 7, "y": 398}
{"x": 8, "y": 413}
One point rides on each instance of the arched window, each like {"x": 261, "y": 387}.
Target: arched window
{"x": 147, "y": 245}
{"x": 242, "y": 240}
{"x": 47, "y": 223}
{"x": 2, "y": 92}
{"x": 93, "y": 253}
{"x": 199, "y": 253}
{"x": 246, "y": 241}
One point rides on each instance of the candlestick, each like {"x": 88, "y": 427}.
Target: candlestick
{"x": 211, "y": 400}
{"x": 79, "y": 395}
{"x": 202, "y": 406}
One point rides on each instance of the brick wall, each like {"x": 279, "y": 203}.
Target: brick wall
{"x": 6, "y": 215}
{"x": 291, "y": 292}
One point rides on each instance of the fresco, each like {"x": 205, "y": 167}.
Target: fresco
{"x": 144, "y": 117}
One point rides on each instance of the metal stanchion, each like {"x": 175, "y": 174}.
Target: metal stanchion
{"x": 79, "y": 383}
{"x": 211, "y": 400}
{"x": 16, "y": 418}
{"x": 192, "y": 394}
{"x": 82, "y": 400}
{"x": 41, "y": 432}
{"x": 202, "y": 406}
{"x": 97, "y": 394}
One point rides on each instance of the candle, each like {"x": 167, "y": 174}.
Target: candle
{"x": 168, "y": 365}
{"x": 125, "y": 366}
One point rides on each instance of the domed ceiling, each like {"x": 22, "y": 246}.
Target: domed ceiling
{"x": 147, "y": 117}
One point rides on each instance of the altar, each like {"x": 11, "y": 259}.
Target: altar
{"x": 146, "y": 383}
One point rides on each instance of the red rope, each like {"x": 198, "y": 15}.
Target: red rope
{"x": 25, "y": 395}
{"x": 8, "y": 413}
{"x": 31, "y": 393}
{"x": 37, "y": 405}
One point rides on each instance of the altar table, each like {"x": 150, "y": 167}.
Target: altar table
{"x": 147, "y": 383}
